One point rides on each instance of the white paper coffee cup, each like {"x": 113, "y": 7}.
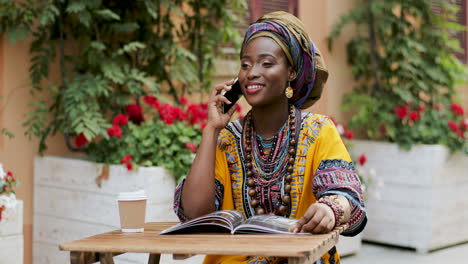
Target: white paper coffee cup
{"x": 132, "y": 210}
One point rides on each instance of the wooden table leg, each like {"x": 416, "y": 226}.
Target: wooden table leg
{"x": 106, "y": 258}
{"x": 154, "y": 258}
{"x": 82, "y": 257}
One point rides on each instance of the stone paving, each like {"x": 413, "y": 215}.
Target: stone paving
{"x": 372, "y": 254}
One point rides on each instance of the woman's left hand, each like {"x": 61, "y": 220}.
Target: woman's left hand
{"x": 319, "y": 218}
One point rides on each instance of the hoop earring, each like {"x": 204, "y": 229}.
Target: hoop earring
{"x": 289, "y": 91}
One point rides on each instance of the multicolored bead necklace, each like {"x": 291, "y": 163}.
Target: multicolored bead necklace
{"x": 267, "y": 167}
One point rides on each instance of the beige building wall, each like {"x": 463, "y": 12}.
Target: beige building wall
{"x": 17, "y": 154}
{"x": 319, "y": 16}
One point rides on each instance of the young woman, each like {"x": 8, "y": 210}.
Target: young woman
{"x": 276, "y": 160}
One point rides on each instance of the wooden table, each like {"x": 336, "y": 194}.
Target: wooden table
{"x": 103, "y": 247}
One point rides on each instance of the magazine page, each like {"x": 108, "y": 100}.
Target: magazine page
{"x": 268, "y": 224}
{"x": 219, "y": 221}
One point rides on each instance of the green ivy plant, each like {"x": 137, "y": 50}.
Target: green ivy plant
{"x": 111, "y": 53}
{"x": 402, "y": 58}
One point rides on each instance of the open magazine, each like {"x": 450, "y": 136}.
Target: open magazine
{"x": 234, "y": 222}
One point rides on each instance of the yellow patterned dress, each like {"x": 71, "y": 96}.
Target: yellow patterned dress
{"x": 322, "y": 167}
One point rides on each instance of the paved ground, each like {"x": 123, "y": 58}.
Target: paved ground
{"x": 373, "y": 254}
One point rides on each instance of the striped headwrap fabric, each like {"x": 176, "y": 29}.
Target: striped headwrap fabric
{"x": 289, "y": 33}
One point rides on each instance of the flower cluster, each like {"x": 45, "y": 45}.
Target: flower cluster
{"x": 411, "y": 116}
{"x": 7, "y": 194}
{"x": 413, "y": 123}
{"x": 151, "y": 132}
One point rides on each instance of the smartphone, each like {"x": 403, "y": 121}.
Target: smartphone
{"x": 232, "y": 95}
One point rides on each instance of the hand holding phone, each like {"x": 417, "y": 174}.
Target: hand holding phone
{"x": 232, "y": 95}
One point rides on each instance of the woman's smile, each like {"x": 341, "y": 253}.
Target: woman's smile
{"x": 253, "y": 88}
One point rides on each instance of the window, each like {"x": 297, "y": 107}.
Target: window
{"x": 257, "y": 8}
{"x": 260, "y": 7}
{"x": 461, "y": 36}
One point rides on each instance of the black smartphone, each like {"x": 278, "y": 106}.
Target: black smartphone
{"x": 233, "y": 95}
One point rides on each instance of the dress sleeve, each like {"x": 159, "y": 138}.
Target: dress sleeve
{"x": 179, "y": 209}
{"x": 335, "y": 174}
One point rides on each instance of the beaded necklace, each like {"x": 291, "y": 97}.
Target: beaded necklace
{"x": 264, "y": 168}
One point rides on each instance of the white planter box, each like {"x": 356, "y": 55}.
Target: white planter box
{"x": 11, "y": 235}
{"x": 423, "y": 202}
{"x": 349, "y": 245}
{"x": 68, "y": 204}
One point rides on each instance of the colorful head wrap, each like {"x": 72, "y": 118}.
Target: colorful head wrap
{"x": 289, "y": 33}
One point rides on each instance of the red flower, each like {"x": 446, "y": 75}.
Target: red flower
{"x": 194, "y": 112}
{"x": 457, "y": 109}
{"x": 80, "y": 140}
{"x": 349, "y": 134}
{"x": 204, "y": 106}
{"x": 362, "y": 159}
{"x": 401, "y": 112}
{"x": 464, "y": 124}
{"x": 120, "y": 119}
{"x": 453, "y": 125}
{"x": 197, "y": 113}
{"x": 192, "y": 146}
{"x": 183, "y": 100}
{"x": 150, "y": 99}
{"x": 129, "y": 166}
{"x": 461, "y": 133}
{"x": 202, "y": 125}
{"x": 184, "y": 116}
{"x": 126, "y": 159}
{"x": 115, "y": 131}
{"x": 169, "y": 113}
{"x": 134, "y": 113}
{"x": 421, "y": 108}
{"x": 9, "y": 177}
{"x": 438, "y": 107}
{"x": 1, "y": 211}
{"x": 383, "y": 130}
{"x": 414, "y": 115}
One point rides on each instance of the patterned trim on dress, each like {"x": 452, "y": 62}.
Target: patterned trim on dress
{"x": 338, "y": 163}
{"x": 338, "y": 176}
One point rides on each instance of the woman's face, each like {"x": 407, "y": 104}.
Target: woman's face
{"x": 264, "y": 73}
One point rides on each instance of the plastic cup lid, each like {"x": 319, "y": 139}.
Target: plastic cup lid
{"x": 132, "y": 196}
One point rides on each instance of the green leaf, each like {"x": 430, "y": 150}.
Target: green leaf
{"x": 108, "y": 14}
{"x": 75, "y": 7}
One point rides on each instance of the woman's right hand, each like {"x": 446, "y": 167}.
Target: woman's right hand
{"x": 217, "y": 119}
